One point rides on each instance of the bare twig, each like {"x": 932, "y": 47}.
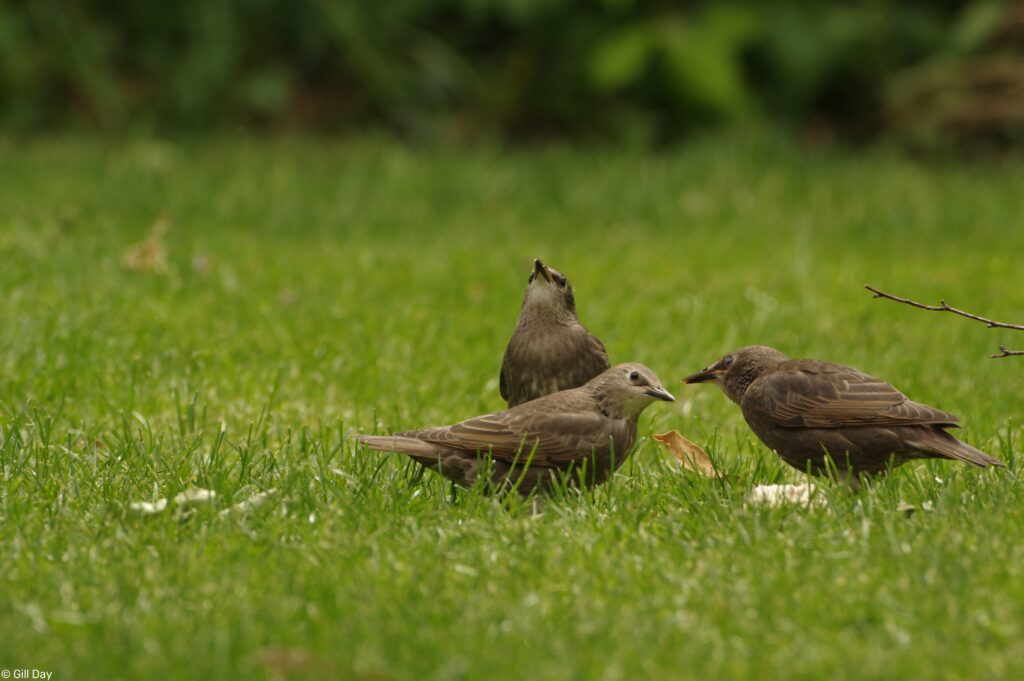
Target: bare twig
{"x": 943, "y": 307}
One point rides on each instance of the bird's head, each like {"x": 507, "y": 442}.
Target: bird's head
{"x": 735, "y": 371}
{"x": 549, "y": 293}
{"x": 626, "y": 390}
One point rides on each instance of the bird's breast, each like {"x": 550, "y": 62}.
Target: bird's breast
{"x": 759, "y": 421}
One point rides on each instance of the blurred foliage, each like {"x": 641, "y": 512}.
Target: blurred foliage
{"x": 620, "y": 70}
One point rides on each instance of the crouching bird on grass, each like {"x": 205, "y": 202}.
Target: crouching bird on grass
{"x": 549, "y": 350}
{"x": 808, "y": 411}
{"x": 583, "y": 434}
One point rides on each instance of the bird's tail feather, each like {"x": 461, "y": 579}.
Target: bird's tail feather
{"x": 394, "y": 443}
{"x": 424, "y": 452}
{"x": 945, "y": 445}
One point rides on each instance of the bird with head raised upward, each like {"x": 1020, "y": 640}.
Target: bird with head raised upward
{"x": 581, "y": 435}
{"x": 826, "y": 417}
{"x": 549, "y": 350}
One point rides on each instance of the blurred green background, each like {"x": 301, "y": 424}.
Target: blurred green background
{"x": 925, "y": 73}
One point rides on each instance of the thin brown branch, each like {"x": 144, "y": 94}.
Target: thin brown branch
{"x": 943, "y": 307}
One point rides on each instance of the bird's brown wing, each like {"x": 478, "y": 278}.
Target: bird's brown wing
{"x": 810, "y": 394}
{"x": 546, "y": 439}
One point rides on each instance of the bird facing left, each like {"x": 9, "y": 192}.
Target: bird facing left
{"x": 581, "y": 436}
{"x": 829, "y": 418}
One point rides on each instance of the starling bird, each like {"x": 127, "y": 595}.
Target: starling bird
{"x": 808, "y": 411}
{"x": 550, "y": 350}
{"x": 584, "y": 433}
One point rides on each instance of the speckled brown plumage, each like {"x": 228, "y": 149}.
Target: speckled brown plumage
{"x": 549, "y": 350}
{"x": 808, "y": 410}
{"x": 584, "y": 432}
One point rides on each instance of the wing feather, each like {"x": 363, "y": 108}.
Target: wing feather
{"x": 810, "y": 394}
{"x": 512, "y": 436}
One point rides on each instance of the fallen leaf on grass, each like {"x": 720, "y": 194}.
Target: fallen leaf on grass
{"x": 283, "y": 663}
{"x": 689, "y": 454}
{"x": 781, "y": 495}
{"x": 149, "y": 256}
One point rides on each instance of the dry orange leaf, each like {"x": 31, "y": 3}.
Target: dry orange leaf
{"x": 283, "y": 663}
{"x": 689, "y": 454}
{"x": 149, "y": 255}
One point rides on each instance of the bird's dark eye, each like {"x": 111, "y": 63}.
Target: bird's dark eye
{"x": 726, "y": 361}
{"x": 560, "y": 280}
{"x": 634, "y": 375}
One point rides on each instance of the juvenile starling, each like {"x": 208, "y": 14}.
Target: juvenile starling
{"x": 550, "y": 350}
{"x": 583, "y": 433}
{"x": 809, "y": 411}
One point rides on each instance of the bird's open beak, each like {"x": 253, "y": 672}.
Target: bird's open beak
{"x": 540, "y": 270}
{"x": 709, "y": 374}
{"x": 660, "y": 393}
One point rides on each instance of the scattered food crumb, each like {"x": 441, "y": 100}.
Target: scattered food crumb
{"x": 908, "y": 509}
{"x": 781, "y": 495}
{"x": 195, "y": 496}
{"x": 149, "y": 507}
{"x": 255, "y": 501}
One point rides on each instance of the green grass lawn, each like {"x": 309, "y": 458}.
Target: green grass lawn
{"x": 314, "y": 289}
